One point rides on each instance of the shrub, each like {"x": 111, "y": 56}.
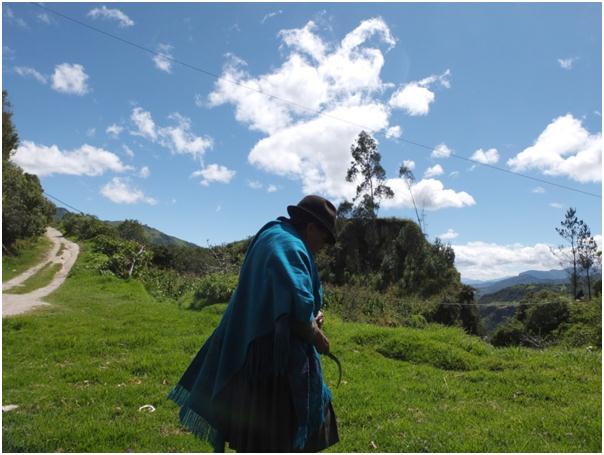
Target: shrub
{"x": 509, "y": 334}
{"x": 210, "y": 289}
{"x": 542, "y": 319}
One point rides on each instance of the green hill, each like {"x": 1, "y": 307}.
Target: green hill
{"x": 81, "y": 369}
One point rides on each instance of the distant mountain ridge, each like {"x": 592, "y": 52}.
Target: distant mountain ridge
{"x": 551, "y": 277}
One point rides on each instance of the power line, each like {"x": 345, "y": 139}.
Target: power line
{"x": 293, "y": 103}
{"x": 64, "y": 203}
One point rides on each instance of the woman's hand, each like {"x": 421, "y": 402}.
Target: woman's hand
{"x": 320, "y": 319}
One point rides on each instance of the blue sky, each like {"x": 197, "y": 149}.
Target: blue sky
{"x": 121, "y": 133}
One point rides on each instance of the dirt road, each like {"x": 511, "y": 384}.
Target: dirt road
{"x": 13, "y": 304}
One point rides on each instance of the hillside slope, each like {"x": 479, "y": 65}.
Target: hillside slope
{"x": 81, "y": 369}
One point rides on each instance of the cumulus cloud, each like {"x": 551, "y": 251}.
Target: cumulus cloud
{"x": 415, "y": 97}
{"x": 441, "y": 151}
{"x": 335, "y": 81}
{"x": 112, "y": 14}
{"x": 214, "y": 173}
{"x": 567, "y": 63}
{"x": 70, "y": 78}
{"x": 489, "y": 261}
{"x": 144, "y": 172}
{"x": 178, "y": 137}
{"x": 271, "y": 189}
{"x": 114, "y": 130}
{"x": 539, "y": 190}
{"x": 429, "y": 194}
{"x": 556, "y": 205}
{"x": 31, "y": 72}
{"x": 490, "y": 156}
{"x": 163, "y": 60}
{"x": 120, "y": 191}
{"x": 42, "y": 160}
{"x": 254, "y": 184}
{"x": 434, "y": 171}
{"x": 393, "y": 132}
{"x": 128, "y": 151}
{"x": 449, "y": 235}
{"x": 564, "y": 148}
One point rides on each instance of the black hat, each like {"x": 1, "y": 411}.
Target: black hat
{"x": 320, "y": 210}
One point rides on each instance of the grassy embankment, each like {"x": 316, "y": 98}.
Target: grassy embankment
{"x": 81, "y": 369}
{"x": 29, "y": 253}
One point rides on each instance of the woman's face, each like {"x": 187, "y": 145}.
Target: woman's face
{"x": 316, "y": 237}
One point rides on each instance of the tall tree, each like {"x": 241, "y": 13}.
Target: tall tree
{"x": 569, "y": 230}
{"x": 407, "y": 175}
{"x": 25, "y": 211}
{"x": 131, "y": 230}
{"x": 366, "y": 163}
{"x": 588, "y": 253}
{"x": 10, "y": 138}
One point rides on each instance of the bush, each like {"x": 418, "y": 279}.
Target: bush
{"x": 122, "y": 255}
{"x": 210, "y": 289}
{"x": 510, "y": 333}
{"x": 542, "y": 319}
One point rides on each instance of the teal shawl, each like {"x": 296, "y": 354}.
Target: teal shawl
{"x": 278, "y": 281}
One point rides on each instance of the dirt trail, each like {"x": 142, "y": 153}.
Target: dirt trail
{"x": 13, "y": 304}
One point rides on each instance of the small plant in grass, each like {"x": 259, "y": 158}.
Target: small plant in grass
{"x": 210, "y": 289}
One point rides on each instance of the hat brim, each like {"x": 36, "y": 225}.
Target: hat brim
{"x": 293, "y": 209}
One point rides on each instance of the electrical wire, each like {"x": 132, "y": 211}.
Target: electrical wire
{"x": 292, "y": 103}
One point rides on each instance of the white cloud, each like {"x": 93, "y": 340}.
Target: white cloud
{"x": 556, "y": 205}
{"x": 120, "y": 191}
{"x": 564, "y": 148}
{"x": 12, "y": 18}
{"x": 43, "y": 17}
{"x": 271, "y": 189}
{"x": 90, "y": 132}
{"x": 214, "y": 173}
{"x": 491, "y": 156}
{"x": 441, "y": 151}
{"x": 70, "y": 78}
{"x": 163, "y": 59}
{"x": 269, "y": 15}
{"x": 409, "y": 164}
{"x": 539, "y": 190}
{"x": 86, "y": 160}
{"x": 434, "y": 171}
{"x": 128, "y": 151}
{"x": 30, "y": 72}
{"x": 567, "y": 63}
{"x": 336, "y": 81}
{"x": 415, "y": 97}
{"x": 145, "y": 126}
{"x": 449, "y": 235}
{"x": 114, "y": 130}
{"x": 393, "y": 132}
{"x": 144, "y": 172}
{"x": 113, "y": 14}
{"x": 428, "y": 193}
{"x": 199, "y": 100}
{"x": 177, "y": 138}
{"x": 489, "y": 261}
{"x": 254, "y": 184}
{"x": 454, "y": 174}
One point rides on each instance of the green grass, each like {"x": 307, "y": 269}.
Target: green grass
{"x": 81, "y": 368}
{"x": 29, "y": 253}
{"x": 38, "y": 280}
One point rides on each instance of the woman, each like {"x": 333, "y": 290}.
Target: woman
{"x": 257, "y": 382}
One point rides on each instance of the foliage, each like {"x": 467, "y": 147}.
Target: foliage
{"x": 509, "y": 334}
{"x": 210, "y": 289}
{"x": 587, "y": 250}
{"x": 569, "y": 230}
{"x": 125, "y": 258}
{"x": 406, "y": 174}
{"x": 131, "y": 230}
{"x": 366, "y": 163}
{"x": 25, "y": 210}
{"x": 167, "y": 284}
{"x": 85, "y": 227}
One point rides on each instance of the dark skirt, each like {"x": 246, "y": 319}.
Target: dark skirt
{"x": 259, "y": 414}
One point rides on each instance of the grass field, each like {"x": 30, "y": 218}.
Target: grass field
{"x": 30, "y": 252}
{"x": 38, "y": 280}
{"x": 81, "y": 369}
